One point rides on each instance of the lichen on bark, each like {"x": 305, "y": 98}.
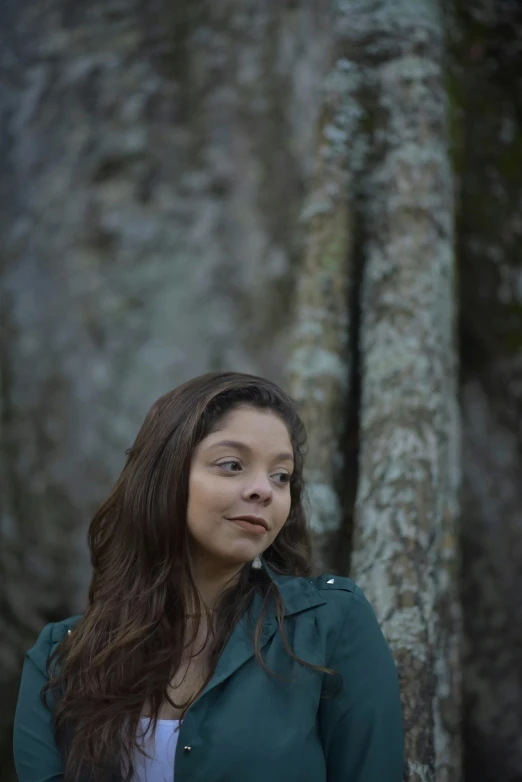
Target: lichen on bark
{"x": 319, "y": 370}
{"x": 404, "y": 552}
{"x": 149, "y": 233}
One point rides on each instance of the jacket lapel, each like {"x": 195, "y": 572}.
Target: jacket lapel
{"x": 299, "y": 594}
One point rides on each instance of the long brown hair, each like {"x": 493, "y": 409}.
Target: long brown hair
{"x": 130, "y": 640}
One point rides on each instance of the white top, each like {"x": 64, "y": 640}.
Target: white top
{"x": 162, "y": 747}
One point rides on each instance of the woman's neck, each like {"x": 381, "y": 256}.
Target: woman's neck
{"x": 212, "y": 579}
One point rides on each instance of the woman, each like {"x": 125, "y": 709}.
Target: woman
{"x": 206, "y": 652}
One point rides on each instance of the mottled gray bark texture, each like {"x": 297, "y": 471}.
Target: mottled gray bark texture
{"x": 319, "y": 372}
{"x": 404, "y": 546}
{"x": 267, "y": 186}
{"x": 486, "y": 94}
{"x": 154, "y": 158}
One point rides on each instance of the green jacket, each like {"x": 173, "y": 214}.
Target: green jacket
{"x": 247, "y": 726}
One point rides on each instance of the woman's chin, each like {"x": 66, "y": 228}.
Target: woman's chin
{"x": 237, "y": 556}
{"x": 227, "y": 552}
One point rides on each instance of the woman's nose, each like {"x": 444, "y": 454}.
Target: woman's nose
{"x": 259, "y": 490}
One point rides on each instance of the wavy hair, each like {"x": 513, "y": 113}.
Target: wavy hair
{"x": 130, "y": 640}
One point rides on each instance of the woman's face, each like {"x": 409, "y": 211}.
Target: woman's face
{"x": 239, "y": 487}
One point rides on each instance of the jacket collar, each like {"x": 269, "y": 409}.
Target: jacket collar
{"x": 298, "y": 594}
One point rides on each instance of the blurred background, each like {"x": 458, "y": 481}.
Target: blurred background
{"x": 324, "y": 192}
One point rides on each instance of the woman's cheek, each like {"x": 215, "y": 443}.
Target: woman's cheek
{"x": 217, "y": 494}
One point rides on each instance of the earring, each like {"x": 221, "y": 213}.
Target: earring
{"x": 256, "y": 563}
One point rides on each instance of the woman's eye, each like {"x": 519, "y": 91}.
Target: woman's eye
{"x": 284, "y": 477}
{"x": 232, "y": 465}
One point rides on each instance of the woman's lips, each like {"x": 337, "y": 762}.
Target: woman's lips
{"x": 249, "y": 526}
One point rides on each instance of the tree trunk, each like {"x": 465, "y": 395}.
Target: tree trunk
{"x": 404, "y": 547}
{"x": 319, "y": 371}
{"x": 154, "y": 160}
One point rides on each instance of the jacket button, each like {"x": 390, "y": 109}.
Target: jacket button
{"x": 187, "y": 749}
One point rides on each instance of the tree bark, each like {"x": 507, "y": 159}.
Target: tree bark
{"x": 404, "y": 547}
{"x": 154, "y": 160}
{"x": 319, "y": 371}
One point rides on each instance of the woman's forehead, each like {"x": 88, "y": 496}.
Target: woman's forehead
{"x": 252, "y": 429}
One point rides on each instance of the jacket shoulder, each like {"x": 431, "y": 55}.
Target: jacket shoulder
{"x": 60, "y": 629}
{"x": 340, "y": 594}
{"x": 329, "y": 582}
{"x": 49, "y": 638}
{"x": 345, "y": 606}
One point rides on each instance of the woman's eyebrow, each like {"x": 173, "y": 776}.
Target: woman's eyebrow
{"x": 284, "y": 456}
